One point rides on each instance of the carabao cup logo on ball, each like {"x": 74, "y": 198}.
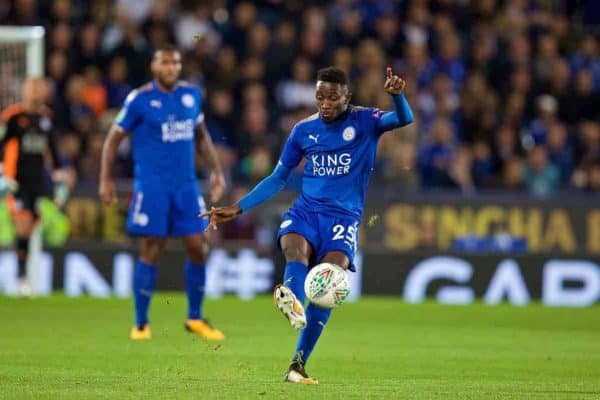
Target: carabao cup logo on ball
{"x": 320, "y": 282}
{"x": 340, "y": 296}
{"x": 327, "y": 285}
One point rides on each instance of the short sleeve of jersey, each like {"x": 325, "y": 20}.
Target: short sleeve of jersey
{"x": 8, "y": 121}
{"x": 6, "y": 130}
{"x": 130, "y": 115}
{"x": 292, "y": 152}
{"x": 200, "y": 100}
{"x": 3, "y": 132}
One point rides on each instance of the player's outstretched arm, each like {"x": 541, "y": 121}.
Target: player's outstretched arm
{"x": 267, "y": 188}
{"x": 402, "y": 115}
{"x": 208, "y": 152}
{"x": 106, "y": 189}
{"x": 262, "y": 192}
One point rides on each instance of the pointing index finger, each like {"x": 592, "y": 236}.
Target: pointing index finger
{"x": 207, "y": 213}
{"x": 388, "y": 72}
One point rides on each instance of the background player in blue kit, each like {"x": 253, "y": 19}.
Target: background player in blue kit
{"x": 165, "y": 121}
{"x": 339, "y": 143}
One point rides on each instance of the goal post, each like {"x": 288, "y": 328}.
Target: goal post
{"x": 21, "y": 55}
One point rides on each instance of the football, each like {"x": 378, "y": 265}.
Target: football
{"x": 327, "y": 285}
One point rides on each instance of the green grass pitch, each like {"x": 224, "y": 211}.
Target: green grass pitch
{"x": 378, "y": 348}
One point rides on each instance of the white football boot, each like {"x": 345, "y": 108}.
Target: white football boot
{"x": 297, "y": 374}
{"x": 288, "y": 304}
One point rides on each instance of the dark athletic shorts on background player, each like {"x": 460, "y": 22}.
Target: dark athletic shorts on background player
{"x": 26, "y": 198}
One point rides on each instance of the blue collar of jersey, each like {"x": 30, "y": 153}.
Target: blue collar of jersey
{"x": 156, "y": 86}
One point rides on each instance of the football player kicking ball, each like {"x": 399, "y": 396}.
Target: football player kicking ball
{"x": 339, "y": 143}
{"x": 165, "y": 121}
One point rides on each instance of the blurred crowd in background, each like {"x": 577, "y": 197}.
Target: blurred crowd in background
{"x": 506, "y": 93}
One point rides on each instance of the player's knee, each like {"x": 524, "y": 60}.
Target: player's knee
{"x": 24, "y": 224}
{"x": 338, "y": 258}
{"x": 151, "y": 250}
{"x": 198, "y": 253}
{"x": 294, "y": 253}
{"x": 196, "y": 248}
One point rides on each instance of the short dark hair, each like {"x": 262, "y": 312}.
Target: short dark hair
{"x": 332, "y": 75}
{"x": 166, "y": 48}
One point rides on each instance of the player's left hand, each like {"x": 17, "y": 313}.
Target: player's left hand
{"x": 393, "y": 83}
{"x": 7, "y": 186}
{"x": 221, "y": 214}
{"x": 217, "y": 186}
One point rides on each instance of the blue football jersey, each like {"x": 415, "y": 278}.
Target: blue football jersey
{"x": 339, "y": 160}
{"x": 162, "y": 127}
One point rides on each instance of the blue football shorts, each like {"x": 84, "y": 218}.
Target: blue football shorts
{"x": 161, "y": 212}
{"x": 325, "y": 233}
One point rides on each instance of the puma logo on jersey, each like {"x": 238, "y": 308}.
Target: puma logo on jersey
{"x": 315, "y": 138}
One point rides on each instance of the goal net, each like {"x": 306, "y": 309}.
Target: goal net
{"x": 21, "y": 55}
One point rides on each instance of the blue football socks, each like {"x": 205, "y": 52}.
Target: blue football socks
{"x": 293, "y": 279}
{"x": 316, "y": 319}
{"x": 195, "y": 280}
{"x": 144, "y": 283}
